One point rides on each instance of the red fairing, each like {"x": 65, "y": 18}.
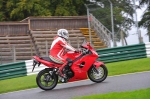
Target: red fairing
{"x": 89, "y": 60}
{"x": 98, "y": 64}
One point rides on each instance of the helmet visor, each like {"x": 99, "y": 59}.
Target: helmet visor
{"x": 66, "y": 35}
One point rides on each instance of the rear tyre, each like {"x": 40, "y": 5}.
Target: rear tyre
{"x": 98, "y": 77}
{"x": 46, "y": 81}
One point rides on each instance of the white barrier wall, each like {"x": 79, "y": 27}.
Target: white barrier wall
{"x": 147, "y": 47}
{"x": 29, "y": 66}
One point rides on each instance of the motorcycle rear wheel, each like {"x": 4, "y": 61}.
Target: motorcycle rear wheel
{"x": 46, "y": 81}
{"x": 98, "y": 77}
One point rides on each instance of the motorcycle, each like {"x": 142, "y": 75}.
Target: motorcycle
{"x": 80, "y": 66}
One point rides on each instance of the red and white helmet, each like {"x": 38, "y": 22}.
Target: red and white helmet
{"x": 63, "y": 33}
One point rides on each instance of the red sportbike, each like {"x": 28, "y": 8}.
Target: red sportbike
{"x": 80, "y": 66}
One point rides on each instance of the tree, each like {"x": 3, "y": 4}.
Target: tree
{"x": 145, "y": 21}
{"x": 4, "y": 10}
{"x": 14, "y": 10}
{"x": 69, "y": 8}
{"x": 142, "y": 2}
{"x": 25, "y": 8}
{"x": 122, "y": 12}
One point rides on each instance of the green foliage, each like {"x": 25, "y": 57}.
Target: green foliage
{"x": 2, "y": 16}
{"x": 65, "y": 8}
{"x": 142, "y": 2}
{"x": 26, "y": 8}
{"x": 13, "y": 10}
{"x": 145, "y": 21}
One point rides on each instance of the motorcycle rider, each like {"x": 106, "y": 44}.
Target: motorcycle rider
{"x": 57, "y": 49}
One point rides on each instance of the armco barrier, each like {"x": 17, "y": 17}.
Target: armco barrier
{"x": 18, "y": 69}
{"x": 12, "y": 70}
{"x": 106, "y": 55}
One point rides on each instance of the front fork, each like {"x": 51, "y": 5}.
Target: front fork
{"x": 96, "y": 65}
{"x": 95, "y": 69}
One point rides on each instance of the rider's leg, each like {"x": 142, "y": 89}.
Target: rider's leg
{"x": 59, "y": 61}
{"x": 61, "y": 69}
{"x": 56, "y": 60}
{"x": 67, "y": 63}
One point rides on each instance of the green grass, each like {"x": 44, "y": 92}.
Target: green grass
{"x": 15, "y": 84}
{"x": 116, "y": 68}
{"x": 137, "y": 94}
{"x": 129, "y": 66}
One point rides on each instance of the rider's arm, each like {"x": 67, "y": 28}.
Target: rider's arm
{"x": 66, "y": 45}
{"x": 69, "y": 47}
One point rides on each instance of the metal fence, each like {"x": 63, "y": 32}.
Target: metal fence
{"x": 15, "y": 56}
{"x": 103, "y": 33}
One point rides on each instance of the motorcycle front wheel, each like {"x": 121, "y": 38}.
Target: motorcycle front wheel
{"x": 46, "y": 81}
{"x": 100, "y": 76}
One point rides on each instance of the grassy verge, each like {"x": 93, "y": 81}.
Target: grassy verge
{"x": 129, "y": 66}
{"x": 15, "y": 84}
{"x": 137, "y": 94}
{"x": 116, "y": 68}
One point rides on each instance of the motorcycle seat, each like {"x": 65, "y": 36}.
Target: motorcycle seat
{"x": 47, "y": 59}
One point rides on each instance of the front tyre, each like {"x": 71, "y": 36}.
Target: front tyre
{"x": 46, "y": 81}
{"x": 100, "y": 76}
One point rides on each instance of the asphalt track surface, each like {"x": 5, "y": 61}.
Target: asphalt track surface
{"x": 83, "y": 88}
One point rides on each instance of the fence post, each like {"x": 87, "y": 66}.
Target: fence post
{"x": 31, "y": 49}
{"x": 46, "y": 48}
{"x": 69, "y": 42}
{"x": 122, "y": 38}
{"x": 78, "y": 42}
{"x": 0, "y": 59}
{"x": 14, "y": 54}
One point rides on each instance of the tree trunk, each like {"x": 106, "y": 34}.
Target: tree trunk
{"x": 125, "y": 41}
